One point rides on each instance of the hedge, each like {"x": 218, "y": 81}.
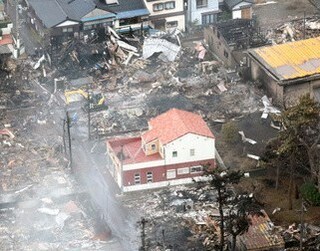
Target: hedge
{"x": 310, "y": 193}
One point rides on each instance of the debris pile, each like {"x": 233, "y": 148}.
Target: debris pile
{"x": 295, "y": 30}
{"x": 310, "y": 236}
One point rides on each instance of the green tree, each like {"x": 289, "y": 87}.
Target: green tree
{"x": 301, "y": 129}
{"x": 233, "y": 209}
{"x": 230, "y": 133}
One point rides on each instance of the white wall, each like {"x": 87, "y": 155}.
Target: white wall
{"x": 155, "y": 163}
{"x": 204, "y": 149}
{"x": 195, "y": 14}
{"x": 179, "y": 7}
{"x": 180, "y": 19}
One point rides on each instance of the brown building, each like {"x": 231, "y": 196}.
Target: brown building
{"x": 289, "y": 70}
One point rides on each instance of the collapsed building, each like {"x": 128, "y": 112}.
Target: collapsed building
{"x": 228, "y": 39}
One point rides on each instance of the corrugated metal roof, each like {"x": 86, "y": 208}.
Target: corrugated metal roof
{"x": 261, "y": 235}
{"x": 291, "y": 60}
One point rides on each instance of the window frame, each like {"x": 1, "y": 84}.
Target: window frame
{"x": 149, "y": 176}
{"x": 137, "y": 181}
{"x": 168, "y": 3}
{"x": 203, "y": 5}
{"x": 158, "y": 4}
{"x": 183, "y": 170}
{"x": 172, "y": 172}
{"x": 193, "y": 169}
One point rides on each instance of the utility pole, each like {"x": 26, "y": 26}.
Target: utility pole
{"x": 64, "y": 136}
{"x": 143, "y": 222}
{"x": 69, "y": 137}
{"x": 301, "y": 225}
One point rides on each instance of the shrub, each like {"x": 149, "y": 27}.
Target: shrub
{"x": 310, "y": 193}
{"x": 230, "y": 133}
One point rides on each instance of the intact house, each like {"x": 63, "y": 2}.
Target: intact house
{"x": 202, "y": 12}
{"x": 260, "y": 236}
{"x": 288, "y": 71}
{"x": 130, "y": 15}
{"x": 173, "y": 151}
{"x": 240, "y": 8}
{"x": 166, "y": 14}
{"x": 228, "y": 39}
{"x": 55, "y": 20}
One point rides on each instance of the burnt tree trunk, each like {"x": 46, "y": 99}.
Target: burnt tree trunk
{"x": 221, "y": 220}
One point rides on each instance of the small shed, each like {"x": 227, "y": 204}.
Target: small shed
{"x": 288, "y": 71}
{"x": 240, "y": 8}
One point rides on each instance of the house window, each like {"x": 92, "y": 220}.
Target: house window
{"x": 67, "y": 29}
{"x": 158, "y": 7}
{"x": 172, "y": 24}
{"x": 202, "y": 3}
{"x": 196, "y": 169}
{"x": 171, "y": 174}
{"x": 87, "y": 27}
{"x": 149, "y": 177}
{"x": 174, "y": 154}
{"x": 153, "y": 147}
{"x": 191, "y": 152}
{"x": 170, "y": 5}
{"x": 137, "y": 178}
{"x": 208, "y": 19}
{"x": 183, "y": 170}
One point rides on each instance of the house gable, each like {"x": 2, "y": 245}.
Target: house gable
{"x": 189, "y": 147}
{"x": 98, "y": 14}
{"x": 67, "y": 23}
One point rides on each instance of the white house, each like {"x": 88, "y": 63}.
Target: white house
{"x": 240, "y": 8}
{"x": 173, "y": 151}
{"x": 166, "y": 14}
{"x": 202, "y": 12}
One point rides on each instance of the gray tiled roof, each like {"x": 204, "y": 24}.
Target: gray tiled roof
{"x": 232, "y": 3}
{"x": 76, "y": 9}
{"x": 124, "y": 5}
{"x": 53, "y": 12}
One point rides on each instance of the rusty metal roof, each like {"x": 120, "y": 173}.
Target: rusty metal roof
{"x": 261, "y": 235}
{"x": 291, "y": 60}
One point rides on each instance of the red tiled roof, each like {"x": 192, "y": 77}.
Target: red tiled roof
{"x": 260, "y": 235}
{"x": 6, "y": 39}
{"x": 175, "y": 123}
{"x": 132, "y": 151}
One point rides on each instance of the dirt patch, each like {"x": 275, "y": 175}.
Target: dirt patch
{"x": 282, "y": 11}
{"x": 271, "y": 198}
